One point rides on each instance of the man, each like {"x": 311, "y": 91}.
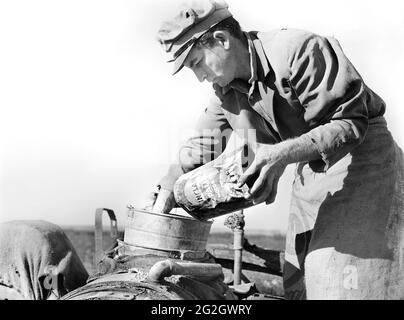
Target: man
{"x": 307, "y": 105}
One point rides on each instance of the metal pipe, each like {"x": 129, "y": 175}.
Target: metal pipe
{"x": 238, "y": 255}
{"x": 167, "y": 268}
{"x": 236, "y": 223}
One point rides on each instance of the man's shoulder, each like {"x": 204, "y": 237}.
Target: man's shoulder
{"x": 281, "y": 45}
{"x": 285, "y": 37}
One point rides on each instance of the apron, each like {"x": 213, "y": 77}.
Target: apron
{"x": 346, "y": 225}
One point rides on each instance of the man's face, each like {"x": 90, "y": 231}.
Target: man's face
{"x": 211, "y": 63}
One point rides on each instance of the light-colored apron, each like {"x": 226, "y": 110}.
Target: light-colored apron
{"x": 345, "y": 236}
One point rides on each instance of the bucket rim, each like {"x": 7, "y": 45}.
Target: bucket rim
{"x": 172, "y": 215}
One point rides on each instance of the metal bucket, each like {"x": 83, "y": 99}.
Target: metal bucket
{"x": 167, "y": 232}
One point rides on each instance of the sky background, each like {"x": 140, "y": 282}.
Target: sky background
{"x": 91, "y": 116}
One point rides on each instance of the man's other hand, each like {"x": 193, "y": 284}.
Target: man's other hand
{"x": 160, "y": 201}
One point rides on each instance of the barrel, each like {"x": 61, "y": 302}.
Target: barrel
{"x": 128, "y": 286}
{"x": 150, "y": 277}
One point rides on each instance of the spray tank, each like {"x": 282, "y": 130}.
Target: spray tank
{"x": 165, "y": 257}
{"x": 162, "y": 257}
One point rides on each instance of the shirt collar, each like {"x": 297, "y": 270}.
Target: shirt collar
{"x": 253, "y": 60}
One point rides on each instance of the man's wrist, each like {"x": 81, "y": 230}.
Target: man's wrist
{"x": 278, "y": 153}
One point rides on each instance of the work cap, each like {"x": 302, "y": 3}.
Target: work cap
{"x": 193, "y": 19}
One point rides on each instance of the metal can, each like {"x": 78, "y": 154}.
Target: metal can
{"x": 211, "y": 190}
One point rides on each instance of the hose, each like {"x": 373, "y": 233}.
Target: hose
{"x": 167, "y": 268}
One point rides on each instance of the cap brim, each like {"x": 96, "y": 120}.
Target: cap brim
{"x": 179, "y": 61}
{"x": 195, "y": 33}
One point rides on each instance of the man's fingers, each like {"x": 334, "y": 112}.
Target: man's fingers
{"x": 164, "y": 202}
{"x": 247, "y": 174}
{"x": 150, "y": 200}
{"x": 259, "y": 182}
{"x": 272, "y": 195}
{"x": 262, "y": 193}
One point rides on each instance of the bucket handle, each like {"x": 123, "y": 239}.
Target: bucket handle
{"x": 99, "y": 251}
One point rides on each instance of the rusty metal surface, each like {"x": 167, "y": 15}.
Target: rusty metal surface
{"x": 122, "y": 288}
{"x": 128, "y": 279}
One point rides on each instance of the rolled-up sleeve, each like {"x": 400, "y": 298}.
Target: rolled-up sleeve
{"x": 333, "y": 96}
{"x": 210, "y": 137}
{"x": 207, "y": 142}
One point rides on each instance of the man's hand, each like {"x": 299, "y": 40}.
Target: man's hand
{"x": 151, "y": 199}
{"x": 160, "y": 201}
{"x": 269, "y": 164}
{"x": 165, "y": 202}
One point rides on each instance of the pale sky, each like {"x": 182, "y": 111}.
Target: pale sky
{"x": 91, "y": 116}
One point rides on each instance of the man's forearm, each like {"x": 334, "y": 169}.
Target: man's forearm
{"x": 300, "y": 149}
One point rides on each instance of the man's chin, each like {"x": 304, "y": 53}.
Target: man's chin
{"x": 220, "y": 82}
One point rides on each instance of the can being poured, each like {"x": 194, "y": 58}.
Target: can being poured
{"x": 211, "y": 190}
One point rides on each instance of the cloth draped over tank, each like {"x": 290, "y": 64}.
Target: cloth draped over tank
{"x": 38, "y": 261}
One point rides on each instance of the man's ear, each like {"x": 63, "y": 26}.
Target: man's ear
{"x": 223, "y": 37}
